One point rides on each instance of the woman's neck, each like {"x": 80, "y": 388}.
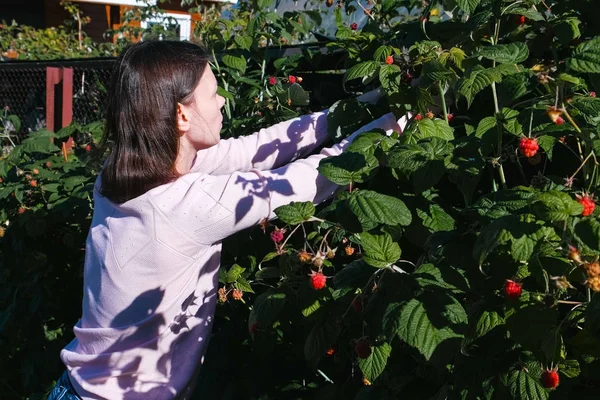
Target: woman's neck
{"x": 185, "y": 158}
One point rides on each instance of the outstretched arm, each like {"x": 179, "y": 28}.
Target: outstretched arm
{"x": 212, "y": 207}
{"x": 271, "y": 147}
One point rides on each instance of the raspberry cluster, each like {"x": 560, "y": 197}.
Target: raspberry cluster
{"x": 528, "y": 146}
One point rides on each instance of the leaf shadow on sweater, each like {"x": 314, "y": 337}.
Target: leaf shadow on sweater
{"x": 199, "y": 306}
{"x": 291, "y": 149}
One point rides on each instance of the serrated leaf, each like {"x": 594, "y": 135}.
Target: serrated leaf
{"x": 523, "y": 386}
{"x": 417, "y": 329}
{"x": 320, "y": 339}
{"x": 348, "y": 167}
{"x": 354, "y": 275}
{"x": 361, "y": 70}
{"x": 244, "y": 42}
{"x": 38, "y": 145}
{"x": 379, "y": 250}
{"x": 295, "y": 212}
{"x": 487, "y": 321}
{"x": 588, "y": 231}
{"x": 468, "y": 6}
{"x": 236, "y": 62}
{"x": 234, "y": 273}
{"x": 478, "y": 78}
{"x": 511, "y": 53}
{"x": 374, "y": 365}
{"x": 569, "y": 368}
{"x": 434, "y": 128}
{"x": 586, "y": 57}
{"x": 555, "y": 205}
{"x": 267, "y": 307}
{"x": 379, "y": 208}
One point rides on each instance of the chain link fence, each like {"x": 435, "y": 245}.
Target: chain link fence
{"x": 23, "y": 90}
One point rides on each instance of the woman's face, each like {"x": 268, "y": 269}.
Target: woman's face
{"x": 204, "y": 113}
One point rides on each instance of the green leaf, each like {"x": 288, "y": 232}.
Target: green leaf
{"x": 320, "y": 339}
{"x": 380, "y": 250}
{"x": 39, "y": 145}
{"x": 490, "y": 237}
{"x": 234, "y": 273}
{"x": 295, "y": 212}
{"x": 364, "y": 69}
{"x": 348, "y": 167}
{"x": 244, "y": 42}
{"x": 529, "y": 13}
{"x": 523, "y": 386}
{"x": 391, "y": 319}
{"x": 345, "y": 117}
{"x": 567, "y": 30}
{"x": 353, "y": 275}
{"x": 588, "y": 231}
{"x": 417, "y": 329}
{"x": 266, "y": 308}
{"x": 468, "y": 6}
{"x": 486, "y": 322}
{"x": 555, "y": 205}
{"x": 379, "y": 208}
{"x": 569, "y": 368}
{"x": 478, "y": 78}
{"x": 532, "y": 326}
{"x": 434, "y": 128}
{"x": 389, "y": 76}
{"x": 374, "y": 365}
{"x": 236, "y": 62}
{"x": 244, "y": 285}
{"x": 586, "y": 57}
{"x": 511, "y": 53}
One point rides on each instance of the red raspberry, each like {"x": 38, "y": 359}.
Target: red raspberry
{"x": 362, "y": 349}
{"x": 418, "y": 117}
{"x": 272, "y": 80}
{"x": 592, "y": 94}
{"x": 21, "y": 210}
{"x": 512, "y": 289}
{"x": 292, "y": 79}
{"x": 330, "y": 352}
{"x": 521, "y": 19}
{"x": 277, "y": 235}
{"x": 559, "y": 120}
{"x": 389, "y": 60}
{"x": 528, "y": 146}
{"x": 35, "y": 171}
{"x": 354, "y": 26}
{"x": 349, "y": 250}
{"x": 48, "y": 164}
{"x": 450, "y": 117}
{"x": 550, "y": 379}
{"x": 357, "y": 304}
{"x": 317, "y": 280}
{"x": 429, "y": 114}
{"x": 88, "y": 148}
{"x": 587, "y": 202}
{"x": 33, "y": 183}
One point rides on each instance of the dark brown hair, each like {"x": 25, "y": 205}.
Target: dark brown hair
{"x": 148, "y": 80}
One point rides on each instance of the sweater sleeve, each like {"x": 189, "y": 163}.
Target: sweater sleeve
{"x": 213, "y": 207}
{"x": 266, "y": 149}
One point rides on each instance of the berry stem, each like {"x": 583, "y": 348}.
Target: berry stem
{"x": 497, "y": 111}
{"x": 581, "y": 166}
{"x": 289, "y": 236}
{"x": 441, "y": 89}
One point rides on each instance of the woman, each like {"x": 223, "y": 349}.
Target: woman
{"x": 169, "y": 192}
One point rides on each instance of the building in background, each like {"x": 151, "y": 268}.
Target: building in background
{"x": 104, "y": 14}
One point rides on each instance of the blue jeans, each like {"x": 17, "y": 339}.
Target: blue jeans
{"x": 63, "y": 389}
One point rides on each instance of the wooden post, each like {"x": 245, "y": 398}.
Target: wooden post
{"x": 53, "y": 77}
{"x": 59, "y": 97}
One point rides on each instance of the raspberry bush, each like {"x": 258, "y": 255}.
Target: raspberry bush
{"x": 460, "y": 260}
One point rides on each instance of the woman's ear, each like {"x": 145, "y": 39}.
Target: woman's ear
{"x": 183, "y": 118}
